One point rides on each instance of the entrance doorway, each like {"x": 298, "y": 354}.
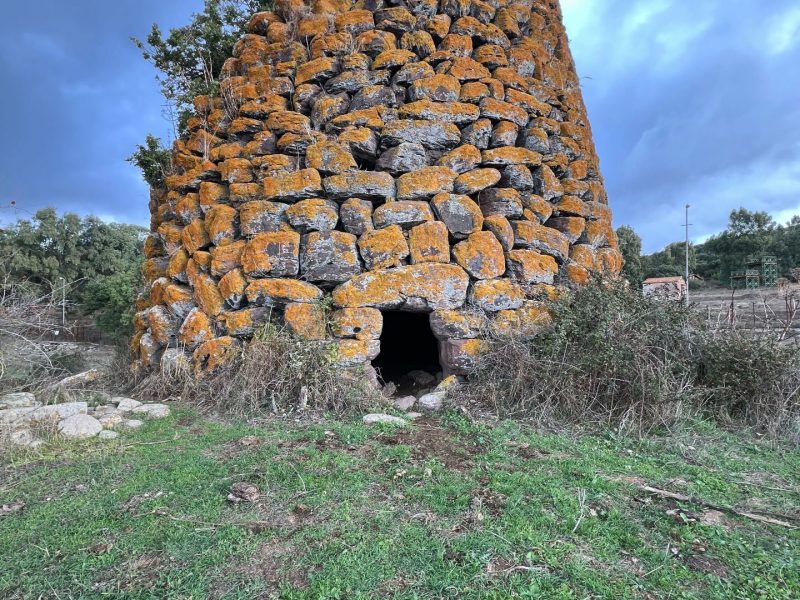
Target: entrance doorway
{"x": 407, "y": 344}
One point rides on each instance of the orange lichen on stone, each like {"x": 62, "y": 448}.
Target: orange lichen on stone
{"x": 232, "y": 285}
{"x": 423, "y": 286}
{"x": 428, "y": 242}
{"x": 507, "y": 155}
{"x": 207, "y": 295}
{"x": 571, "y": 227}
{"x": 243, "y": 322}
{"x": 476, "y": 180}
{"x": 459, "y": 113}
{"x": 358, "y": 323}
{"x": 496, "y": 294}
{"x": 176, "y": 269}
{"x": 195, "y": 237}
{"x": 481, "y": 255}
{"x": 221, "y": 224}
{"x": 461, "y": 356}
{"x": 425, "y": 183}
{"x": 356, "y": 352}
{"x": 383, "y": 248}
{"x": 275, "y": 254}
{"x": 305, "y": 183}
{"x": 271, "y": 292}
{"x": 547, "y": 240}
{"x": 529, "y": 266}
{"x": 458, "y": 324}
{"x": 214, "y": 354}
{"x": 501, "y": 229}
{"x": 260, "y": 216}
{"x": 577, "y": 275}
{"x": 305, "y": 320}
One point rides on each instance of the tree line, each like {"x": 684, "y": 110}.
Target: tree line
{"x": 749, "y": 234}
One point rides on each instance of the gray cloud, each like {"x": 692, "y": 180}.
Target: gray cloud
{"x": 691, "y": 102}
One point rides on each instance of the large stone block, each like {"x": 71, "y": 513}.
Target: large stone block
{"x": 428, "y": 242}
{"x": 329, "y": 257}
{"x": 314, "y": 214}
{"x": 496, "y": 294}
{"x": 291, "y": 187}
{"x": 368, "y": 185}
{"x": 546, "y": 240}
{"x": 277, "y": 292}
{"x": 427, "y": 286}
{"x": 358, "y": 323}
{"x": 528, "y": 266}
{"x": 460, "y": 357}
{"x": 383, "y": 248}
{"x": 272, "y": 254}
{"x": 481, "y": 255}
{"x": 460, "y": 214}
{"x": 406, "y": 214}
{"x": 305, "y": 320}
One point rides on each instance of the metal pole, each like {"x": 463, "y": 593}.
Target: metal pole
{"x": 687, "y": 255}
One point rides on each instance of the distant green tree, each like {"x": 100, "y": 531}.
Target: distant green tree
{"x": 189, "y": 61}
{"x": 99, "y": 262}
{"x": 671, "y": 261}
{"x": 112, "y": 300}
{"x": 630, "y": 244}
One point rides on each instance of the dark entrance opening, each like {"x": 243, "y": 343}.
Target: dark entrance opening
{"x": 407, "y": 344}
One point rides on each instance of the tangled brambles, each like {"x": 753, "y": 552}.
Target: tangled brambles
{"x": 613, "y": 357}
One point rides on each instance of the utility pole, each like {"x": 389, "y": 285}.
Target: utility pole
{"x": 687, "y": 225}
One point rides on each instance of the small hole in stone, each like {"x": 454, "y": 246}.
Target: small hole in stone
{"x": 356, "y": 329}
{"x": 407, "y": 344}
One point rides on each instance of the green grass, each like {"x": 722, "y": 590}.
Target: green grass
{"x": 448, "y": 509}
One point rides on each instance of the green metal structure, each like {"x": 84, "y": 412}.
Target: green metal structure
{"x": 758, "y": 272}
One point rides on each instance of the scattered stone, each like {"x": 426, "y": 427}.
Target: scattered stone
{"x": 125, "y": 404}
{"x": 25, "y": 438}
{"x": 432, "y": 402}
{"x": 110, "y": 420}
{"x": 132, "y": 423}
{"x": 243, "y": 492}
{"x": 385, "y": 419}
{"x": 107, "y": 434}
{"x": 405, "y": 403}
{"x": 153, "y": 411}
{"x": 19, "y": 400}
{"x": 413, "y": 416}
{"x": 421, "y": 377}
{"x": 79, "y": 427}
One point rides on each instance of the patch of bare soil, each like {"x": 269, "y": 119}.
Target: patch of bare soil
{"x": 429, "y": 440}
{"x": 705, "y": 564}
{"x": 137, "y": 573}
{"x": 273, "y": 564}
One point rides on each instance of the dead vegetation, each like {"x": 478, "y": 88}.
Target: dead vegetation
{"x": 276, "y": 371}
{"x": 614, "y": 358}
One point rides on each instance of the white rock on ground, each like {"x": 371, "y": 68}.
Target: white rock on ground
{"x": 79, "y": 427}
{"x": 125, "y": 404}
{"x": 154, "y": 411}
{"x": 18, "y": 400}
{"x": 432, "y": 402}
{"x": 110, "y": 419}
{"x": 23, "y": 416}
{"x": 387, "y": 419}
{"x": 25, "y": 437}
{"x": 405, "y": 403}
{"x": 131, "y": 424}
{"x": 107, "y": 435}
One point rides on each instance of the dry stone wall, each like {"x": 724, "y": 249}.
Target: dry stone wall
{"x": 398, "y": 155}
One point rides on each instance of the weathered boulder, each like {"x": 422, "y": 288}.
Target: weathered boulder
{"x": 79, "y": 427}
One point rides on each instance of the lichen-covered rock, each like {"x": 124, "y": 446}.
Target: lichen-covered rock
{"x": 432, "y": 135}
{"x": 459, "y": 324}
{"x": 274, "y": 292}
{"x": 358, "y": 323}
{"x": 356, "y": 352}
{"x": 290, "y": 187}
{"x": 428, "y": 242}
{"x": 314, "y": 214}
{"x": 496, "y": 294}
{"x": 425, "y": 183}
{"x": 406, "y": 214}
{"x": 480, "y": 255}
{"x": 403, "y": 158}
{"x": 272, "y": 254}
{"x": 260, "y": 216}
{"x": 383, "y": 248}
{"x": 547, "y": 240}
{"x": 528, "y": 266}
{"x": 215, "y": 353}
{"x": 476, "y": 180}
{"x": 461, "y": 356}
{"x": 460, "y": 214}
{"x": 356, "y": 216}
{"x": 195, "y": 330}
{"x": 330, "y": 158}
{"x": 375, "y": 186}
{"x": 305, "y": 320}
{"x": 427, "y": 286}
{"x": 329, "y": 256}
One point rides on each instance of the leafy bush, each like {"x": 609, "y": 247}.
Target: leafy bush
{"x": 614, "y": 357}
{"x": 276, "y": 371}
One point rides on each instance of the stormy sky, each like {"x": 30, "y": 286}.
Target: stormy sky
{"x": 690, "y": 101}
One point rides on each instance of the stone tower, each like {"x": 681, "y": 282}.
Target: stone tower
{"x": 421, "y": 162}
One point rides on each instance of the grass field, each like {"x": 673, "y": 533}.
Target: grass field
{"x": 446, "y": 509}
